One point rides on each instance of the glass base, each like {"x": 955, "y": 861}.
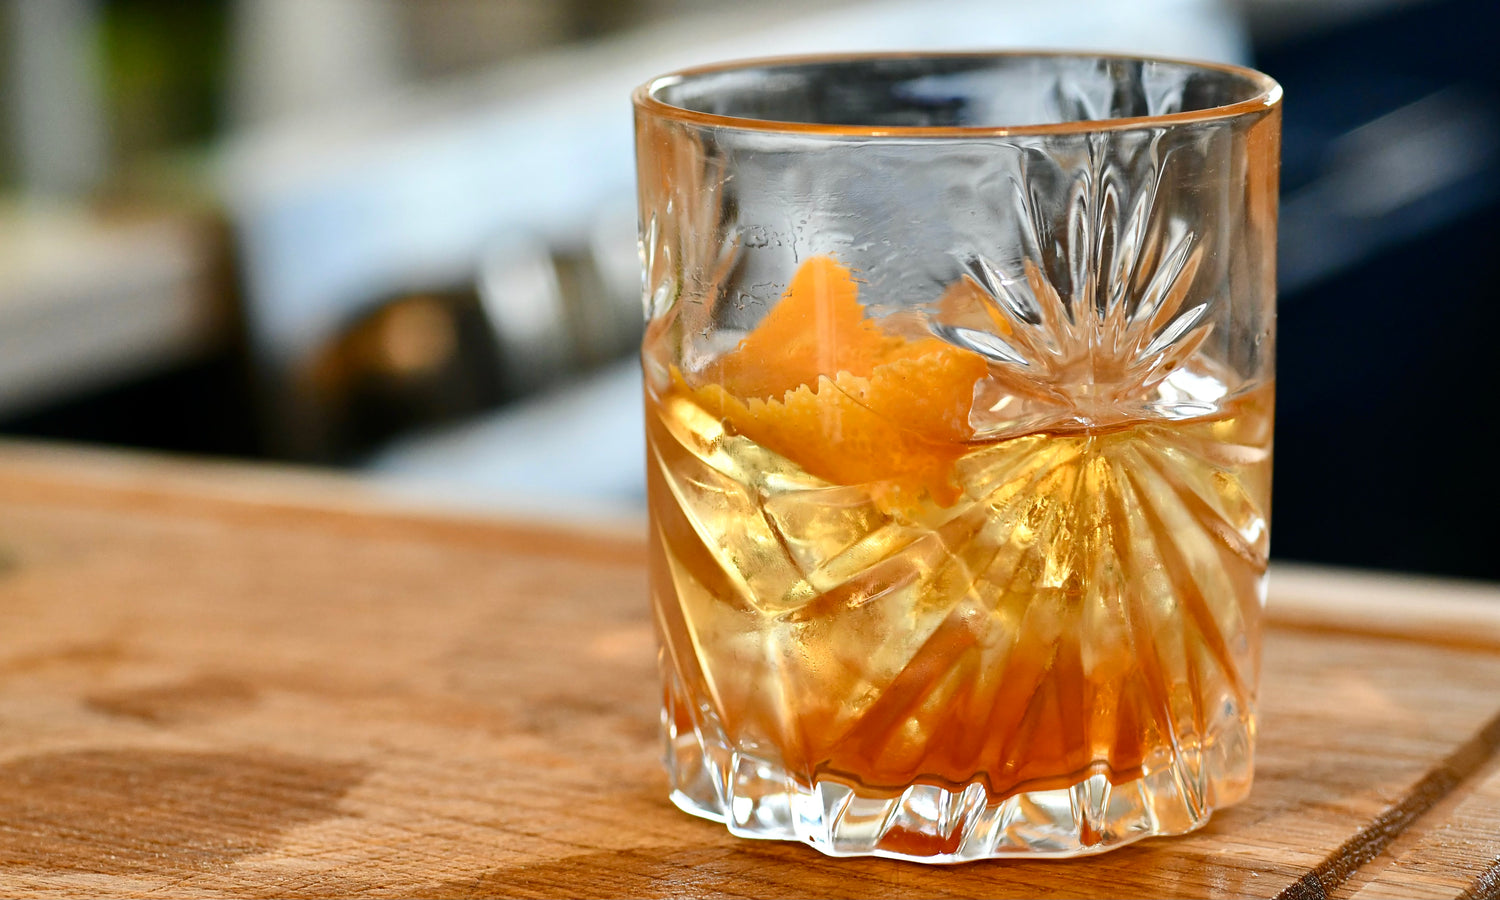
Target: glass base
{"x": 757, "y": 798}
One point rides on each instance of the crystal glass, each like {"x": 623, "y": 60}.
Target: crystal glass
{"x": 959, "y": 399}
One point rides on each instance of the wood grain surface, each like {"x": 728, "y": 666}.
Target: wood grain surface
{"x": 219, "y": 681}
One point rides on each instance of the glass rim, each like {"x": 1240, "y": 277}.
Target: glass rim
{"x": 1266, "y": 97}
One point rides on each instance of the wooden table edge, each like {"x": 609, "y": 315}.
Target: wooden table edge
{"x": 1302, "y": 596}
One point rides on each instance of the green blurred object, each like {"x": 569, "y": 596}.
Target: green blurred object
{"x": 165, "y": 67}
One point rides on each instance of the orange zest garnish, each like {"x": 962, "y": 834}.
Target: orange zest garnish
{"x": 820, "y": 384}
{"x": 818, "y": 328}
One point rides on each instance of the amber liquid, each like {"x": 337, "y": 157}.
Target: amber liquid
{"x": 1089, "y": 605}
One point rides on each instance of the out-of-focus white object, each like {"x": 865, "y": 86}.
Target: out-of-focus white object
{"x": 382, "y": 199}
{"x": 295, "y": 58}
{"x": 88, "y": 301}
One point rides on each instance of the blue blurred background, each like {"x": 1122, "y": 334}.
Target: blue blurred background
{"x": 397, "y": 236}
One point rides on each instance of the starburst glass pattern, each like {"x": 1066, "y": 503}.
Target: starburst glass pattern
{"x": 1095, "y": 309}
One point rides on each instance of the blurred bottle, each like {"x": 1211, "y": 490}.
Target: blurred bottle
{"x": 55, "y": 136}
{"x": 533, "y": 316}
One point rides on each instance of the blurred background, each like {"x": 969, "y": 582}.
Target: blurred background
{"x": 397, "y": 237}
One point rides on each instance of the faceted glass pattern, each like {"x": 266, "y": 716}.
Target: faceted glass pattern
{"x": 959, "y": 400}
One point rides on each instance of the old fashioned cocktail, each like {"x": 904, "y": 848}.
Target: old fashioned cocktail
{"x": 971, "y": 563}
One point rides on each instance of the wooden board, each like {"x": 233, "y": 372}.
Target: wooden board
{"x": 218, "y": 681}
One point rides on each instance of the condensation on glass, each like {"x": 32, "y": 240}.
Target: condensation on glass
{"x": 959, "y": 380}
